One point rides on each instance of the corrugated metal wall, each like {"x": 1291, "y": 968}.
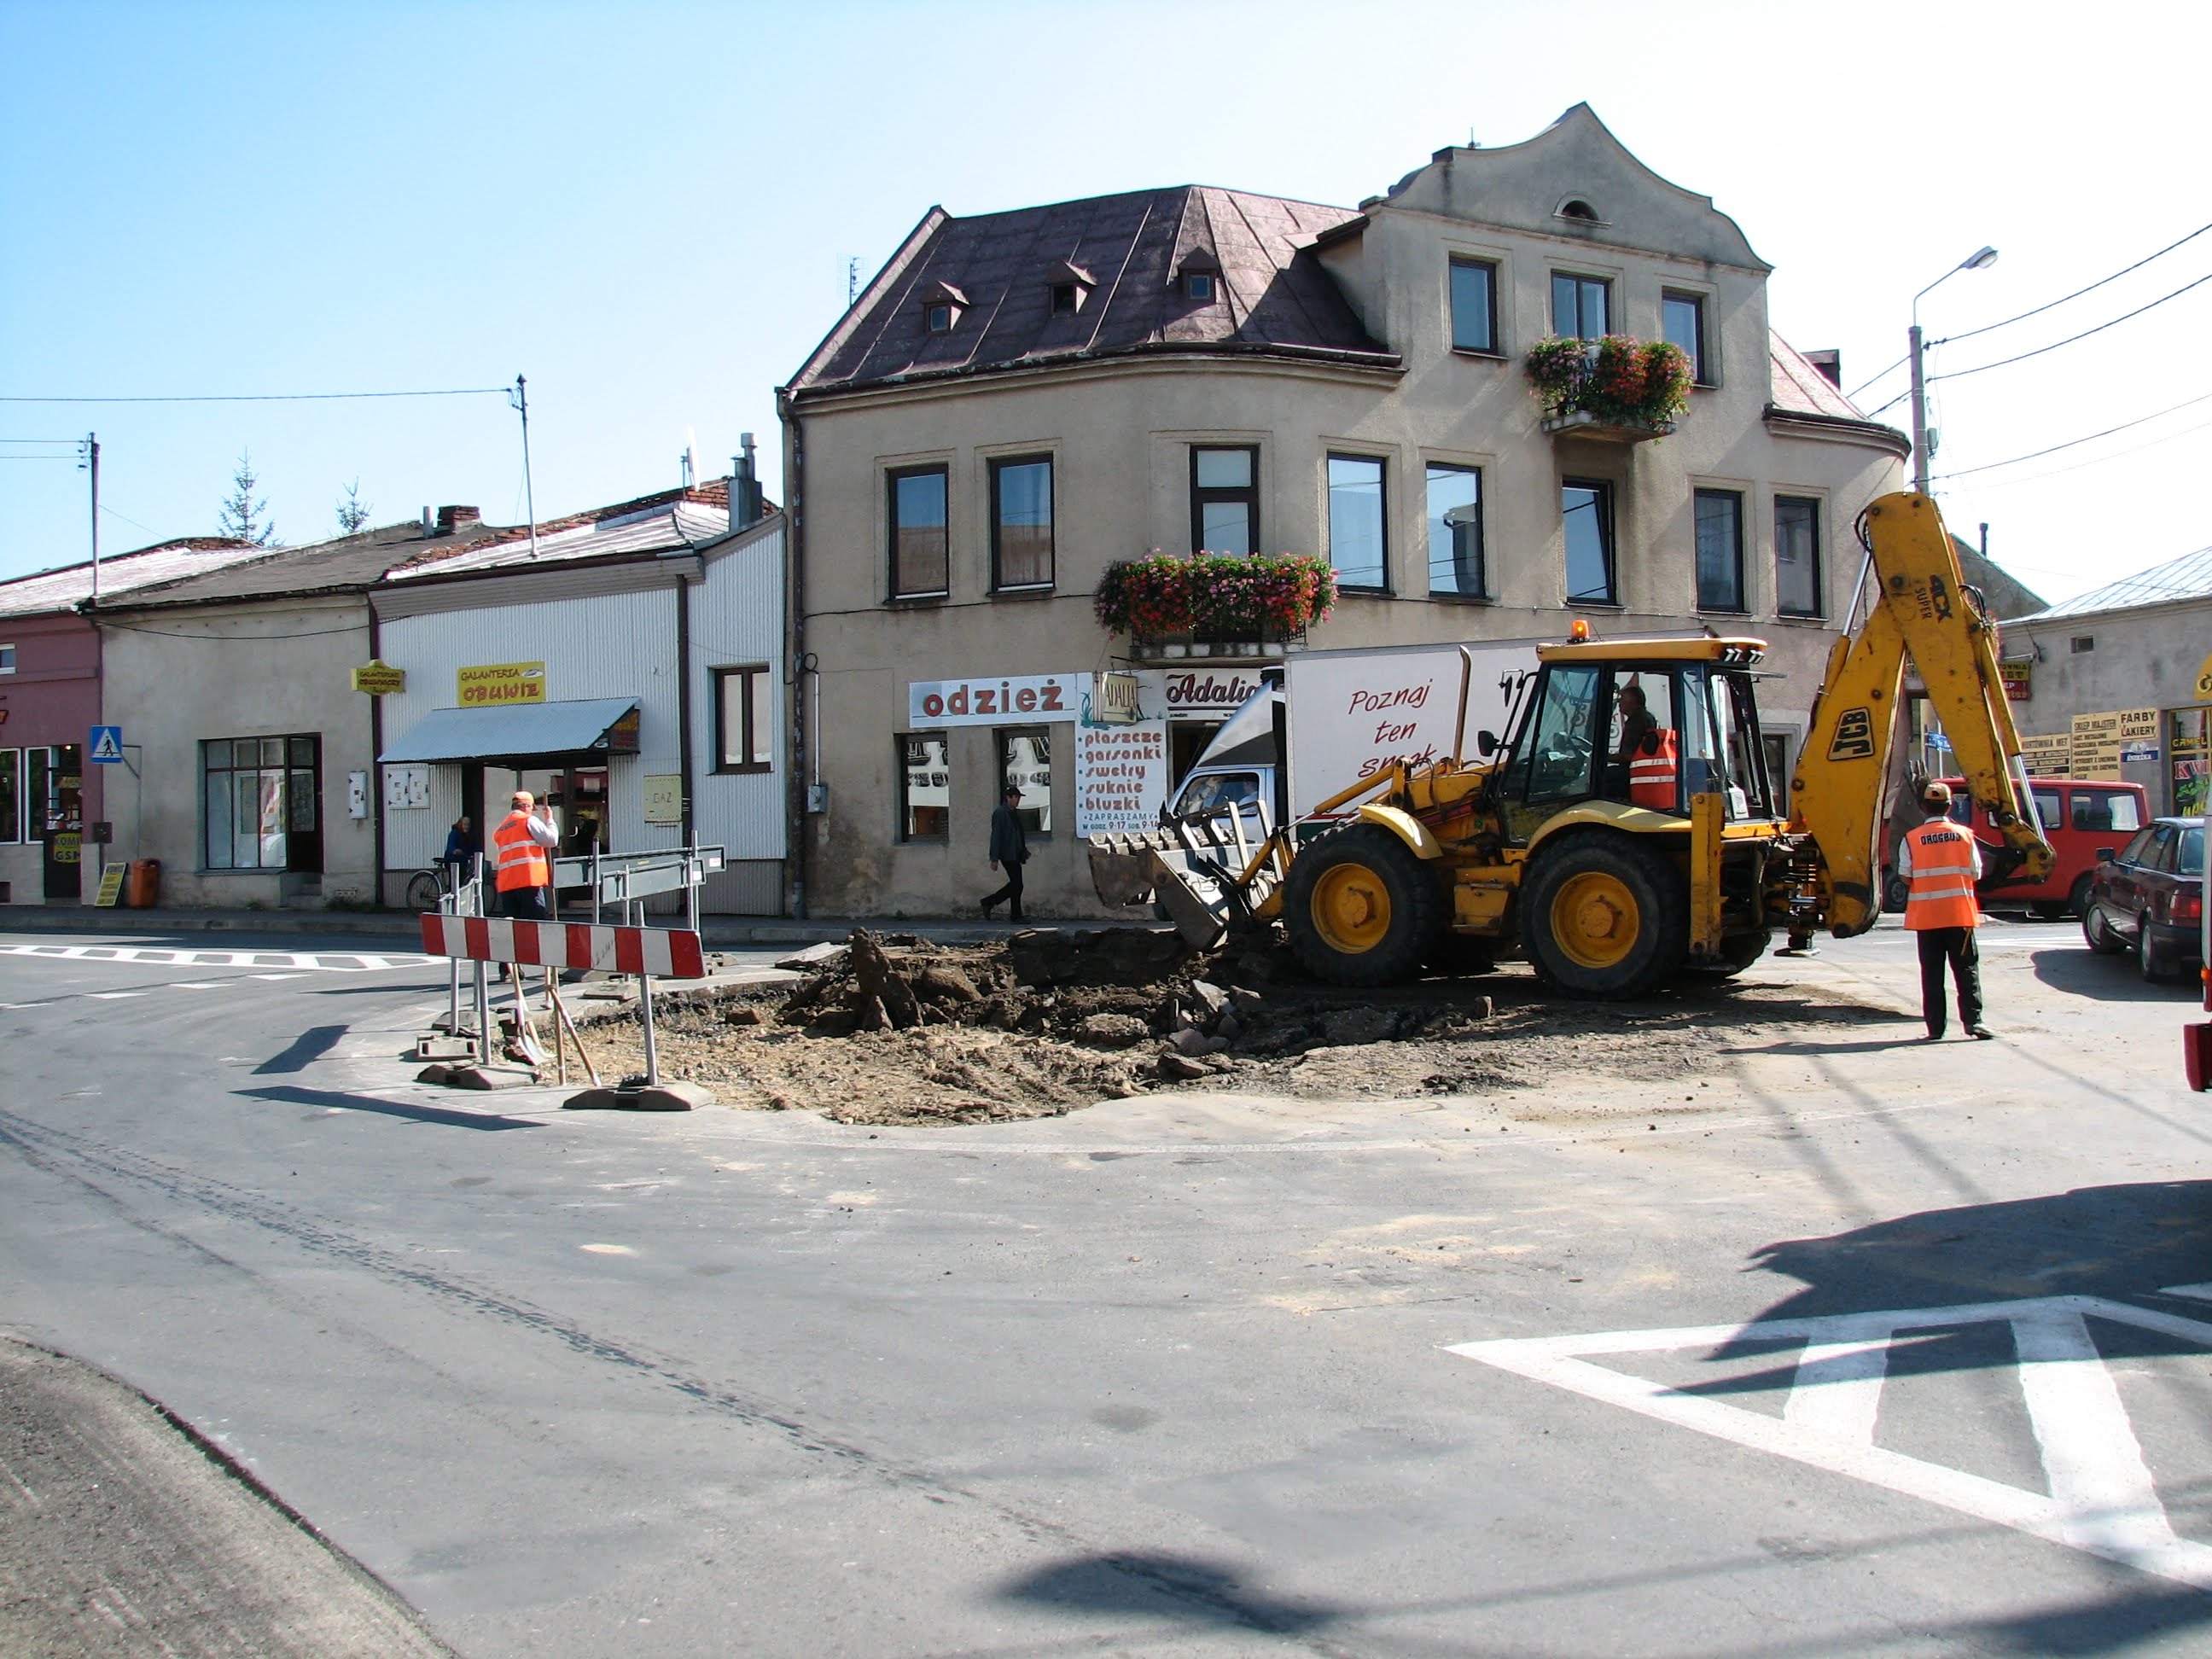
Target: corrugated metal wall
{"x": 737, "y": 620}
{"x": 615, "y": 645}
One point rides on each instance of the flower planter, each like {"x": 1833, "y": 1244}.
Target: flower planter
{"x": 1216, "y": 602}
{"x": 1586, "y": 423}
{"x": 1618, "y": 388}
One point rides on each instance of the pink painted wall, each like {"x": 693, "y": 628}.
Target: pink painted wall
{"x": 53, "y": 695}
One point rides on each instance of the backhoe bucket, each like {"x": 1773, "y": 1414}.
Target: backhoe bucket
{"x": 1122, "y": 868}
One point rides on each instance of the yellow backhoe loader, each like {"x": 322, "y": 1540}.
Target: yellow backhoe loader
{"x": 1624, "y": 829}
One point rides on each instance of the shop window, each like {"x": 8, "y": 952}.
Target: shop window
{"x": 1025, "y": 763}
{"x": 918, "y": 543}
{"x": 263, "y": 801}
{"x": 1797, "y": 557}
{"x": 1021, "y": 523}
{"x": 1719, "y": 549}
{"x": 1586, "y": 515}
{"x": 925, "y": 786}
{"x": 11, "y": 796}
{"x": 1456, "y": 531}
{"x": 1225, "y": 500}
{"x": 745, "y": 723}
{"x": 1359, "y": 543}
{"x": 1474, "y": 305}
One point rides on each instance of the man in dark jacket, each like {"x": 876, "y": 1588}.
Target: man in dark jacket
{"x": 1010, "y": 850}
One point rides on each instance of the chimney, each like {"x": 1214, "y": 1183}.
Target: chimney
{"x": 428, "y": 528}
{"x": 746, "y": 506}
{"x": 452, "y": 519}
{"x": 1831, "y": 364}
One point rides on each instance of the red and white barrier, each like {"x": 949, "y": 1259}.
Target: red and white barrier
{"x": 672, "y": 952}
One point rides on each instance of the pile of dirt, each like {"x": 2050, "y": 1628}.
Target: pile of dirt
{"x": 889, "y": 1028}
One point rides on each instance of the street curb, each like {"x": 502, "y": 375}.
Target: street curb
{"x": 717, "y": 932}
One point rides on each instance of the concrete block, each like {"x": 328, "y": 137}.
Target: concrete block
{"x": 444, "y": 1048}
{"x": 653, "y": 1097}
{"x": 491, "y": 1077}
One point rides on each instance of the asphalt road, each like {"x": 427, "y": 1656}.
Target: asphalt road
{"x": 1183, "y": 1375}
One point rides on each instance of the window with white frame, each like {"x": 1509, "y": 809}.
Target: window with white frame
{"x": 1797, "y": 557}
{"x": 1719, "y": 549}
{"x": 7, "y": 658}
{"x": 11, "y": 796}
{"x": 1456, "y": 531}
{"x": 1473, "y": 304}
{"x": 743, "y": 723}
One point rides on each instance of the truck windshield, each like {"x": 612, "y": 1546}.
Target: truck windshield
{"x": 1212, "y": 789}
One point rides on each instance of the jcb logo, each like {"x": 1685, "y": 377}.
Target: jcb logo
{"x": 1854, "y": 738}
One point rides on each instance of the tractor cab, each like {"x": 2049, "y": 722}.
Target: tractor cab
{"x": 1644, "y": 726}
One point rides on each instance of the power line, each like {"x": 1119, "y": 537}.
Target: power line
{"x": 2071, "y": 443}
{"x": 2132, "y": 449}
{"x": 1987, "y": 327}
{"x": 275, "y": 396}
{"x": 2022, "y": 357}
{"x": 41, "y": 441}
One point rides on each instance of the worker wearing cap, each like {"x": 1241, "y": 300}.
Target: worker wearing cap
{"x": 1941, "y": 863}
{"x": 520, "y": 846}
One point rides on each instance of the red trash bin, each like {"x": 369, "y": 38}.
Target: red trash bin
{"x": 142, "y": 885}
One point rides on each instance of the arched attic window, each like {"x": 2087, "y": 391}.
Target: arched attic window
{"x": 941, "y": 306}
{"x": 1198, "y": 278}
{"x": 1576, "y": 209}
{"x": 1070, "y": 285}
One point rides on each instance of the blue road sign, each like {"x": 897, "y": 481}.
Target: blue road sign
{"x": 106, "y": 747}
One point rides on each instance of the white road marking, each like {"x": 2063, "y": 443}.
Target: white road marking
{"x": 197, "y": 984}
{"x": 277, "y": 975}
{"x": 324, "y": 961}
{"x": 111, "y": 996}
{"x": 2101, "y": 1499}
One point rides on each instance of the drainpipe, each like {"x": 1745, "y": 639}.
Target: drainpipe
{"x": 794, "y": 649}
{"x": 683, "y": 701}
{"x": 375, "y": 766}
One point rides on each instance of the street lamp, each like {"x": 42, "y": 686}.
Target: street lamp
{"x": 1981, "y": 259}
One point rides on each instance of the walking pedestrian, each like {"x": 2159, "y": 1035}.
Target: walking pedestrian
{"x": 1010, "y": 850}
{"x": 526, "y": 874}
{"x": 1941, "y": 863}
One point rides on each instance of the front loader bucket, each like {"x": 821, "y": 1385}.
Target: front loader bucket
{"x": 1122, "y": 868}
{"x": 1195, "y": 893}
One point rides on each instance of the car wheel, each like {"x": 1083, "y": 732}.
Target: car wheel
{"x": 2098, "y": 933}
{"x": 2148, "y": 961}
{"x": 2077, "y": 901}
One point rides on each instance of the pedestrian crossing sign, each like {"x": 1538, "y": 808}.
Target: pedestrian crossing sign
{"x": 106, "y": 748}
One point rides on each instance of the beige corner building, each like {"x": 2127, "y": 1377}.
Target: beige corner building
{"x": 1020, "y": 399}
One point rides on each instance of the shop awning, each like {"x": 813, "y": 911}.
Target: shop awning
{"x": 520, "y": 732}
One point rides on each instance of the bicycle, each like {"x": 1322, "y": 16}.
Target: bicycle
{"x": 427, "y": 888}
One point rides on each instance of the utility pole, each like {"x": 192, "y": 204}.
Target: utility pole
{"x": 520, "y": 399}
{"x": 1980, "y": 259}
{"x": 92, "y": 461}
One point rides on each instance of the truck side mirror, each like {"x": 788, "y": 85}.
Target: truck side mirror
{"x": 1485, "y": 744}
{"x": 2104, "y": 856}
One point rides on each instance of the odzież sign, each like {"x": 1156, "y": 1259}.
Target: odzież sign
{"x": 996, "y": 701}
{"x": 494, "y": 683}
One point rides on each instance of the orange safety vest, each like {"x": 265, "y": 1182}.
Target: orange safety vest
{"x": 522, "y": 861}
{"x": 1942, "y": 891}
{"x": 1654, "y": 771}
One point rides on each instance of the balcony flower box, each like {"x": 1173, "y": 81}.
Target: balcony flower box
{"x": 1617, "y": 387}
{"x": 1210, "y": 604}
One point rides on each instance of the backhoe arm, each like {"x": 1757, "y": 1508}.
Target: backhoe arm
{"x": 1921, "y": 607}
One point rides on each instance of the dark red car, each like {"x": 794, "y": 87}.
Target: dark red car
{"x": 2149, "y": 897}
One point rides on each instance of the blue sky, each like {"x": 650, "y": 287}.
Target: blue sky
{"x": 647, "y": 209}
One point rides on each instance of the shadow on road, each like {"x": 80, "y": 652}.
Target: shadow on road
{"x": 446, "y": 1116}
{"x": 2123, "y": 1243}
{"x": 310, "y": 1045}
{"x": 1162, "y": 1585}
{"x": 2082, "y": 972}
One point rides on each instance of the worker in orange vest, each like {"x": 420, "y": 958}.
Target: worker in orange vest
{"x": 519, "y": 846}
{"x": 1941, "y": 863}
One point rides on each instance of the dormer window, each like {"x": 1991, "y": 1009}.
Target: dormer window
{"x": 1578, "y": 210}
{"x": 1198, "y": 277}
{"x": 941, "y": 306}
{"x": 1070, "y": 285}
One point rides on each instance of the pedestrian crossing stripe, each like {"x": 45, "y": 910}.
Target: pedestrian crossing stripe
{"x": 324, "y": 961}
{"x": 2101, "y": 1498}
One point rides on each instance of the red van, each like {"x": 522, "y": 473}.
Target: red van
{"x": 2079, "y": 816}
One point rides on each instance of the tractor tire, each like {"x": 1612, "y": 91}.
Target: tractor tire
{"x": 1360, "y": 908}
{"x": 1736, "y": 955}
{"x": 1605, "y": 916}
